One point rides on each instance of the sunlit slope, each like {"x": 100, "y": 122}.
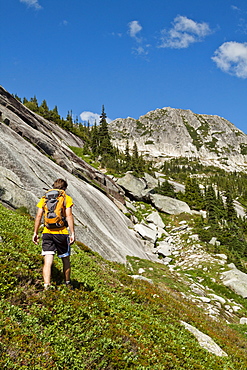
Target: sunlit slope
{"x": 109, "y": 321}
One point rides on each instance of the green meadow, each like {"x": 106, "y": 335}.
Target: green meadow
{"x": 108, "y": 321}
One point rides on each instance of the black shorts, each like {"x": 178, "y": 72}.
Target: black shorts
{"x": 52, "y": 243}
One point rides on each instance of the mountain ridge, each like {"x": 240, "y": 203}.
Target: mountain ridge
{"x": 171, "y": 133}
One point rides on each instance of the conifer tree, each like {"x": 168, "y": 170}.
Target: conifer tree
{"x": 166, "y": 189}
{"x": 44, "y": 110}
{"x": 105, "y": 146}
{"x": 55, "y": 117}
{"x": 221, "y": 212}
{"x": 33, "y": 104}
{"x": 94, "y": 140}
{"x": 127, "y": 153}
{"x": 215, "y": 208}
{"x": 34, "y": 100}
{"x": 69, "y": 121}
{"x": 230, "y": 210}
{"x": 135, "y": 161}
{"x": 193, "y": 195}
{"x": 135, "y": 155}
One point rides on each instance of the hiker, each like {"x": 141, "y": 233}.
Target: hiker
{"x": 55, "y": 236}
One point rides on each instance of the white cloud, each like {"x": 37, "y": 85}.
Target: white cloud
{"x": 234, "y": 7}
{"x": 184, "y": 32}
{"x": 140, "y": 50}
{"x": 134, "y": 29}
{"x": 92, "y": 117}
{"x": 32, "y": 3}
{"x": 231, "y": 57}
{"x": 119, "y": 34}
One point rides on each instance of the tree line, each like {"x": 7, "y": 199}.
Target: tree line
{"x": 97, "y": 140}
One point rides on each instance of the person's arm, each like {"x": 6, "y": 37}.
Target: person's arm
{"x": 70, "y": 220}
{"x": 37, "y": 225}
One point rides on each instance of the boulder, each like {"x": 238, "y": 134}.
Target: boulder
{"x": 243, "y": 321}
{"x": 150, "y": 181}
{"x": 130, "y": 206}
{"x": 214, "y": 241}
{"x": 155, "y": 218}
{"x": 132, "y": 185}
{"x": 164, "y": 248}
{"x": 218, "y": 298}
{"x": 140, "y": 277}
{"x": 169, "y": 205}
{"x": 205, "y": 341}
{"x": 146, "y": 232}
{"x": 236, "y": 280}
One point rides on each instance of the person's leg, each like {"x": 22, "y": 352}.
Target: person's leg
{"x": 48, "y": 261}
{"x": 63, "y": 250}
{"x": 66, "y": 268}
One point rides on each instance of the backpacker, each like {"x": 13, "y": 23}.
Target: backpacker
{"x": 54, "y": 209}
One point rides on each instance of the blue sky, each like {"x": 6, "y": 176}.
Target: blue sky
{"x": 133, "y": 56}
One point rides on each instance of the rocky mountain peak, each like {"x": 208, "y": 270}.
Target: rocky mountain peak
{"x": 168, "y": 132}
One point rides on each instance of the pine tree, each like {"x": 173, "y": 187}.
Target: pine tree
{"x": 94, "y": 142}
{"x": 55, "y": 117}
{"x": 211, "y": 205}
{"x": 193, "y": 195}
{"x": 221, "y": 212}
{"x": 69, "y": 121}
{"x": 135, "y": 160}
{"x": 166, "y": 189}
{"x": 231, "y": 214}
{"x": 44, "y": 110}
{"x": 127, "y": 153}
{"x": 33, "y": 104}
{"x": 105, "y": 146}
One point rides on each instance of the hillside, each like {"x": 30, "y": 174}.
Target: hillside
{"x": 171, "y": 133}
{"x": 160, "y": 258}
{"x": 111, "y": 320}
{"x": 34, "y": 152}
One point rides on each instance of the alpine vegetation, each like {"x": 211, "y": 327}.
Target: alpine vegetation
{"x": 159, "y": 265}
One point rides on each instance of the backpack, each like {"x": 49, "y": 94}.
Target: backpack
{"x": 54, "y": 209}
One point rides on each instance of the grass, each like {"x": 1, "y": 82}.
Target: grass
{"x": 87, "y": 158}
{"x": 109, "y": 321}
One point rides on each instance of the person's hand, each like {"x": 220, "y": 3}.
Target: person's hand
{"x": 35, "y": 238}
{"x": 71, "y": 238}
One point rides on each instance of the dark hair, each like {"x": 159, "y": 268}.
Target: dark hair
{"x": 60, "y": 184}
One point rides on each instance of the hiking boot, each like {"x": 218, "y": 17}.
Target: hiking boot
{"x": 48, "y": 287}
{"x": 68, "y": 285}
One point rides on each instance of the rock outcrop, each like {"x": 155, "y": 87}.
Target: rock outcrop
{"x": 205, "y": 341}
{"x": 168, "y": 132}
{"x": 236, "y": 280}
{"x": 169, "y": 205}
{"x": 34, "y": 152}
{"x": 53, "y": 142}
{"x": 133, "y": 186}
